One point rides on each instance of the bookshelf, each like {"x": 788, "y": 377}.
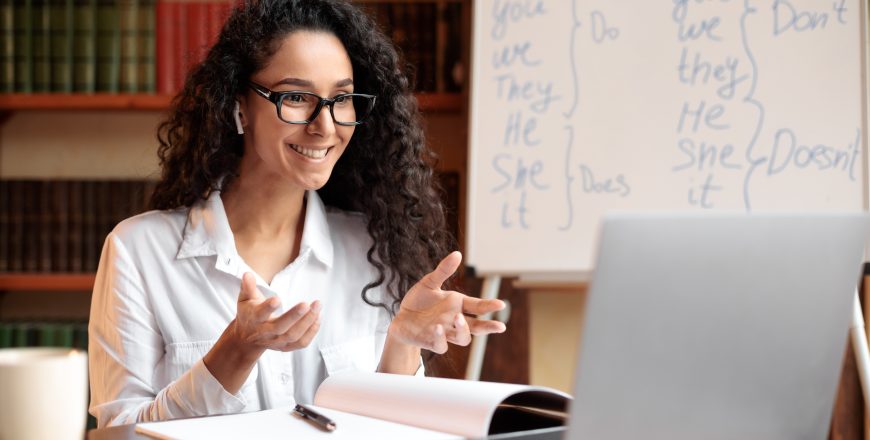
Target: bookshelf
{"x": 429, "y": 102}
{"x": 441, "y": 98}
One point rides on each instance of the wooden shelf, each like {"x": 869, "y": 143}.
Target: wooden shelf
{"x": 66, "y": 282}
{"x": 96, "y": 101}
{"x": 440, "y": 102}
{"x": 10, "y": 102}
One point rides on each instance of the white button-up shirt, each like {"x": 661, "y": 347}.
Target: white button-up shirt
{"x": 167, "y": 287}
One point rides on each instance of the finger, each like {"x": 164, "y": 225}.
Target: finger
{"x": 433, "y": 280}
{"x": 280, "y": 324}
{"x": 298, "y": 329}
{"x": 264, "y": 311}
{"x": 459, "y": 332}
{"x": 477, "y": 306}
{"x": 249, "y": 289}
{"x": 484, "y": 326}
{"x": 309, "y": 335}
{"x": 438, "y": 343}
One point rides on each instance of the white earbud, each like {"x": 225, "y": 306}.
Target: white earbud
{"x": 238, "y": 120}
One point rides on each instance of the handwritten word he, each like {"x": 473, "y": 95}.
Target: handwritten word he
{"x": 710, "y": 116}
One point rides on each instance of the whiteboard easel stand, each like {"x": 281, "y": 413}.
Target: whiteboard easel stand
{"x": 489, "y": 290}
{"x": 862, "y": 354}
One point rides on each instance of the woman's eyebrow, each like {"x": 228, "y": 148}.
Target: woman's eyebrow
{"x": 305, "y": 83}
{"x": 296, "y": 82}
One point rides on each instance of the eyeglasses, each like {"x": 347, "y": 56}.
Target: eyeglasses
{"x": 296, "y": 107}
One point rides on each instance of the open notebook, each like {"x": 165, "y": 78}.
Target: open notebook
{"x": 389, "y": 406}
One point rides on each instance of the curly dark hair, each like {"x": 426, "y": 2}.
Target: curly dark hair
{"x": 386, "y": 172}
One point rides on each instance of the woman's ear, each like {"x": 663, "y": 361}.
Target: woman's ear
{"x": 237, "y": 118}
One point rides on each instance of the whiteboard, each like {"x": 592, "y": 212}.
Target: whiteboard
{"x": 588, "y": 106}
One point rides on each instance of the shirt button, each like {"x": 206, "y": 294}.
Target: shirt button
{"x": 229, "y": 259}
{"x": 285, "y": 378}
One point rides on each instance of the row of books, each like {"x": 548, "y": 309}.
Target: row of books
{"x": 148, "y": 46}
{"x": 112, "y": 46}
{"x": 60, "y": 225}
{"x": 62, "y": 334}
{"x": 429, "y": 35}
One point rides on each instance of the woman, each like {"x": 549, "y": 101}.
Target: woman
{"x": 296, "y": 223}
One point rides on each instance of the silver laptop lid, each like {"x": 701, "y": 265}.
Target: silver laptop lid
{"x": 721, "y": 326}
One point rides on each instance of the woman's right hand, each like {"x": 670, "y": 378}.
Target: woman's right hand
{"x": 255, "y": 330}
{"x": 255, "y": 326}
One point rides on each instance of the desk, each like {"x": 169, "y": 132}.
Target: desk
{"x": 127, "y": 432}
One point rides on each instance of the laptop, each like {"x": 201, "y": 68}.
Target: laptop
{"x": 717, "y": 326}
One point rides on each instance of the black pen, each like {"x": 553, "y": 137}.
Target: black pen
{"x": 320, "y": 420}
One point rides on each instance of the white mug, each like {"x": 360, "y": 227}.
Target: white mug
{"x": 43, "y": 393}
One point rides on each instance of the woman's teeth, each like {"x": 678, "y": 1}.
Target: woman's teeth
{"x": 314, "y": 154}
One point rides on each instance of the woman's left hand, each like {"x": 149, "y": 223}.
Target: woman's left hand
{"x": 429, "y": 317}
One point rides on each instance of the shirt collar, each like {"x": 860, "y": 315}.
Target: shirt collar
{"x": 208, "y": 232}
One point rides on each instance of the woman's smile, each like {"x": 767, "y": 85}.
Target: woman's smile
{"x": 310, "y": 152}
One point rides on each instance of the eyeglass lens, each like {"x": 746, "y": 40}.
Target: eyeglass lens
{"x": 300, "y": 107}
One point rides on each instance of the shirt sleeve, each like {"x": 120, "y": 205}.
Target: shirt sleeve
{"x": 125, "y": 348}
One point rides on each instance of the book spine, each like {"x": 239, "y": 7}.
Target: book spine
{"x": 32, "y": 224}
{"x": 166, "y": 35}
{"x": 23, "y": 10}
{"x": 180, "y": 47}
{"x": 60, "y": 220}
{"x": 197, "y": 32}
{"x": 7, "y": 47}
{"x": 104, "y": 221}
{"x": 64, "y": 334}
{"x": 16, "y": 225}
{"x": 129, "y": 17}
{"x": 85, "y": 46}
{"x": 4, "y": 226}
{"x": 146, "y": 42}
{"x": 80, "y": 336}
{"x": 5, "y": 335}
{"x": 108, "y": 46}
{"x": 46, "y": 334}
{"x": 62, "y": 37}
{"x": 75, "y": 226}
{"x": 217, "y": 15}
{"x": 426, "y": 30}
{"x": 442, "y": 29}
{"x": 46, "y": 225}
{"x": 452, "y": 72}
{"x": 41, "y": 45}
{"x": 89, "y": 225}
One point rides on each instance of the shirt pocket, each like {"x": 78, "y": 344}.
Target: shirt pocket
{"x": 358, "y": 354}
{"x": 180, "y": 357}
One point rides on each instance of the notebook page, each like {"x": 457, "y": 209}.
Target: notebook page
{"x": 282, "y": 424}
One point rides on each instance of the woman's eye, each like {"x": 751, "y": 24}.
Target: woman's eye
{"x": 295, "y": 98}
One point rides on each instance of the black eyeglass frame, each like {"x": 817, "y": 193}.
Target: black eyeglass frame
{"x": 277, "y": 98}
